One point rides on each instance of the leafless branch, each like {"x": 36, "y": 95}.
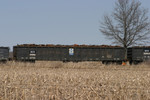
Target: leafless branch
{"x": 128, "y": 25}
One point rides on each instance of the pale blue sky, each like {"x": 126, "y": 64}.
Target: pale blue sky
{"x": 54, "y": 21}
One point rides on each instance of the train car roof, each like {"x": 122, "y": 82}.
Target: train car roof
{"x": 58, "y": 45}
{"x": 140, "y": 47}
{"x": 5, "y": 47}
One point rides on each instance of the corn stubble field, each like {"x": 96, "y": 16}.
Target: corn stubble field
{"x": 73, "y": 81}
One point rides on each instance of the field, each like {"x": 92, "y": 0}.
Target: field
{"x": 73, "y": 81}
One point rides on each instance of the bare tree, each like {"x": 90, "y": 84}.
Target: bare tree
{"x": 128, "y": 25}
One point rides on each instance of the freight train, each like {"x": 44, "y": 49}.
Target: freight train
{"x": 67, "y": 53}
{"x": 76, "y": 53}
{"x": 106, "y": 54}
{"x": 138, "y": 54}
{"x": 4, "y": 54}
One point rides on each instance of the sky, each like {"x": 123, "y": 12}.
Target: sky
{"x": 64, "y": 22}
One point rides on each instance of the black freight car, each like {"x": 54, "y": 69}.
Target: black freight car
{"x": 4, "y": 54}
{"x": 138, "y": 54}
{"x": 75, "y": 53}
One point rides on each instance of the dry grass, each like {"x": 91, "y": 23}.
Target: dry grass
{"x": 73, "y": 81}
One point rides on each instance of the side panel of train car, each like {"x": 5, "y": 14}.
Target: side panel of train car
{"x": 138, "y": 54}
{"x": 4, "y": 54}
{"x": 69, "y": 54}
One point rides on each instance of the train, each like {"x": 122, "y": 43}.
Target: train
{"x": 4, "y": 54}
{"x": 66, "y": 53}
{"x": 138, "y": 54}
{"x": 77, "y": 53}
